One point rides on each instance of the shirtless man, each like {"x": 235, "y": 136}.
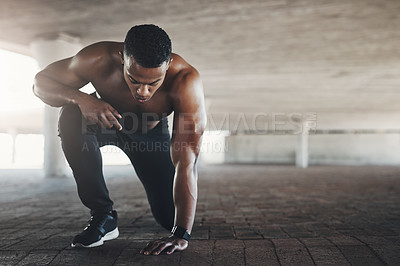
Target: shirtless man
{"x": 138, "y": 84}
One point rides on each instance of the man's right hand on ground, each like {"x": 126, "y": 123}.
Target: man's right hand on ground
{"x": 99, "y": 112}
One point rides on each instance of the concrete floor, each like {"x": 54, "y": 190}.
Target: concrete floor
{"x": 247, "y": 215}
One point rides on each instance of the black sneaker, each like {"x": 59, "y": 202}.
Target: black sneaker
{"x": 101, "y": 227}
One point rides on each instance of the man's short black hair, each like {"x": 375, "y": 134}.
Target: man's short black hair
{"x": 149, "y": 45}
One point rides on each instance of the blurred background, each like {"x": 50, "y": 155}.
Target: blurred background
{"x": 295, "y": 82}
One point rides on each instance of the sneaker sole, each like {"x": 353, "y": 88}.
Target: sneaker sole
{"x": 109, "y": 236}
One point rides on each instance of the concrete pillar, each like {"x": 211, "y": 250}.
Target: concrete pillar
{"x": 302, "y": 147}
{"x": 13, "y": 133}
{"x": 47, "y": 50}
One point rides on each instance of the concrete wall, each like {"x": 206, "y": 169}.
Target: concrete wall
{"x": 357, "y": 149}
{"x": 278, "y": 149}
{"x": 349, "y": 149}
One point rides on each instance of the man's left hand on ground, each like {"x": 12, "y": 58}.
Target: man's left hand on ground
{"x": 168, "y": 244}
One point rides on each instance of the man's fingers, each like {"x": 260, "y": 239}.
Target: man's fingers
{"x": 151, "y": 247}
{"x": 168, "y": 244}
{"x": 99, "y": 122}
{"x": 108, "y": 120}
{"x": 161, "y": 247}
{"x": 117, "y": 124}
{"x": 105, "y": 121}
{"x": 115, "y": 112}
{"x": 111, "y": 118}
{"x": 171, "y": 249}
{"x": 146, "y": 247}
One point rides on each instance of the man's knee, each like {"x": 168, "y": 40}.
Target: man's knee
{"x": 70, "y": 120}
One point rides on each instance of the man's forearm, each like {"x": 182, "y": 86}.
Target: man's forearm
{"x": 52, "y": 93}
{"x": 58, "y": 98}
{"x": 185, "y": 195}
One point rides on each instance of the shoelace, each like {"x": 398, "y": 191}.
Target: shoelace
{"x": 96, "y": 221}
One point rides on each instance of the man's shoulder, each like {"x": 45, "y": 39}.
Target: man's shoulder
{"x": 187, "y": 88}
{"x": 103, "y": 48}
{"x": 184, "y": 74}
{"x": 100, "y": 56}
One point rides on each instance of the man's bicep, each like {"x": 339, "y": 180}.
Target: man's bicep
{"x": 189, "y": 107}
{"x": 77, "y": 71}
{"x": 63, "y": 72}
{"x": 189, "y": 117}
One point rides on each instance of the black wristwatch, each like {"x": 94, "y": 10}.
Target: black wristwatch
{"x": 180, "y": 232}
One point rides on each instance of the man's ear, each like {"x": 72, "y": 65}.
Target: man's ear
{"x": 121, "y": 54}
{"x": 169, "y": 62}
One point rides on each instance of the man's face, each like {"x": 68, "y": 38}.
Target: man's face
{"x": 143, "y": 82}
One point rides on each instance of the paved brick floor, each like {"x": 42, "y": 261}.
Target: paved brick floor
{"x": 247, "y": 215}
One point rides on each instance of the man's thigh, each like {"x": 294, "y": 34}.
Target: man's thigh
{"x": 74, "y": 126}
{"x": 150, "y": 156}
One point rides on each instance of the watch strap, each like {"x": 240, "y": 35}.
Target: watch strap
{"x": 180, "y": 232}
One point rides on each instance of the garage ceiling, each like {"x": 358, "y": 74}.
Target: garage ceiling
{"x": 339, "y": 59}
